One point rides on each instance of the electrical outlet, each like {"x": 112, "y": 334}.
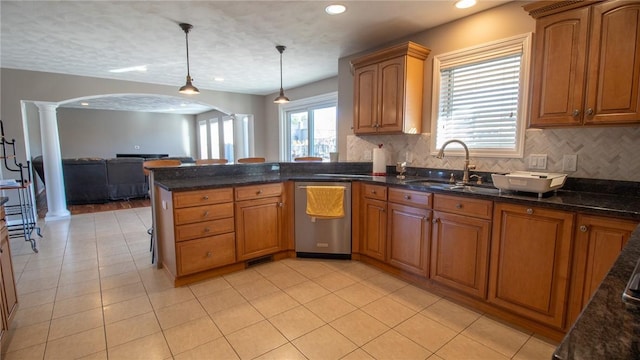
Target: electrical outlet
{"x": 570, "y": 162}
{"x": 137, "y": 147}
{"x": 538, "y": 161}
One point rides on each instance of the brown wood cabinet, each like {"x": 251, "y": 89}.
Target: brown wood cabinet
{"x": 597, "y": 244}
{"x": 259, "y": 220}
{"x": 587, "y": 68}
{"x": 8, "y": 294}
{"x": 408, "y": 230}
{"x": 388, "y": 88}
{"x": 530, "y": 262}
{"x": 460, "y": 243}
{"x": 374, "y": 221}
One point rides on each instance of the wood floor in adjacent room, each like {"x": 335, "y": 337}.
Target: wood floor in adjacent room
{"x": 41, "y": 204}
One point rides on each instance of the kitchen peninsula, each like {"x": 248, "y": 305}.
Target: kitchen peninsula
{"x": 537, "y": 279}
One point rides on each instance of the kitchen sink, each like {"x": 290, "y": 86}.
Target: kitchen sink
{"x": 456, "y": 187}
{"x": 355, "y": 176}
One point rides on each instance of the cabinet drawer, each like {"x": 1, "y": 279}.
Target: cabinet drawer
{"x": 463, "y": 206}
{"x": 203, "y": 213}
{"x": 202, "y": 197}
{"x": 202, "y": 229}
{"x": 408, "y": 197}
{"x": 203, "y": 254}
{"x": 258, "y": 191}
{"x": 377, "y": 192}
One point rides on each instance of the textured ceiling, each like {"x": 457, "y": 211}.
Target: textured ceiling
{"x": 234, "y": 40}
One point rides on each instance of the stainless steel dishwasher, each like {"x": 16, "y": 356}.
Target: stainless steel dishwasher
{"x": 317, "y": 237}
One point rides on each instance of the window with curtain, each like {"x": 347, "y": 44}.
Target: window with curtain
{"x": 481, "y": 98}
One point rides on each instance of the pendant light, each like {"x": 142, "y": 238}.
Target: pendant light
{"x": 188, "y": 88}
{"x": 281, "y": 99}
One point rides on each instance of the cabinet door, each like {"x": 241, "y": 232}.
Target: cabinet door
{"x": 258, "y": 227}
{"x": 365, "y": 100}
{"x": 559, "y": 73}
{"x": 530, "y": 256}
{"x": 460, "y": 252}
{"x": 205, "y": 253}
{"x": 10, "y": 298}
{"x": 391, "y": 95}
{"x": 614, "y": 64}
{"x": 408, "y": 238}
{"x": 598, "y": 242}
{"x": 374, "y": 228}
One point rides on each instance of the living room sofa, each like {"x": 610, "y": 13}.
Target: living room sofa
{"x": 97, "y": 180}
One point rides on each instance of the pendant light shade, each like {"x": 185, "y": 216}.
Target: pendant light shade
{"x": 281, "y": 99}
{"x": 188, "y": 88}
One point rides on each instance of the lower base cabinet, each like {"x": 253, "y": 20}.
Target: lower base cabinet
{"x": 530, "y": 262}
{"x": 408, "y": 238}
{"x": 258, "y": 220}
{"x": 8, "y": 294}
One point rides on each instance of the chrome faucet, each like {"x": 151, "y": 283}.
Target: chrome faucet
{"x": 465, "y": 175}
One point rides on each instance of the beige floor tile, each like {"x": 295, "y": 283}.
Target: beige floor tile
{"x": 272, "y": 268}
{"x": 273, "y": 304}
{"x": 286, "y": 279}
{"x": 255, "y": 289}
{"x": 426, "y": 332}
{"x": 286, "y": 351}
{"x": 330, "y": 307}
{"x": 496, "y": 335}
{"x": 126, "y": 309}
{"x": 119, "y": 280}
{"x": 77, "y": 345}
{"x": 464, "y": 347}
{"x": 256, "y": 340}
{"x": 32, "y": 352}
{"x": 536, "y": 348}
{"x": 391, "y": 313}
{"x": 210, "y": 286}
{"x": 384, "y": 283}
{"x": 311, "y": 269}
{"x": 180, "y": 313}
{"x": 359, "y": 294}
{"x": 150, "y": 347}
{"x": 32, "y": 315}
{"x": 122, "y": 293}
{"x": 452, "y": 315}
{"x": 359, "y": 327}
{"x": 221, "y": 300}
{"x": 242, "y": 277}
{"x": 306, "y": 291}
{"x": 77, "y": 304}
{"x": 131, "y": 329}
{"x": 360, "y": 271}
{"x": 413, "y": 297}
{"x": 170, "y": 297}
{"x": 334, "y": 281}
{"x": 77, "y": 289}
{"x": 69, "y": 277}
{"x": 75, "y": 323}
{"x": 27, "y": 286}
{"x": 236, "y": 318}
{"x": 358, "y": 354}
{"x": 324, "y": 343}
{"x": 100, "y": 355}
{"x": 191, "y": 335}
{"x": 392, "y": 345}
{"x": 37, "y": 298}
{"x": 218, "y": 349}
{"x": 296, "y": 322}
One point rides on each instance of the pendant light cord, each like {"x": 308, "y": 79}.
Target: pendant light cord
{"x": 186, "y": 37}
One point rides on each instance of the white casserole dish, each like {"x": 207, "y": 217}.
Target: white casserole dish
{"x": 535, "y": 182}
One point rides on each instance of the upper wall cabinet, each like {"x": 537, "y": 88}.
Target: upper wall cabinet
{"x": 587, "y": 68}
{"x": 388, "y": 90}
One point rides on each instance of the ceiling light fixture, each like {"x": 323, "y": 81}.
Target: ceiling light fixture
{"x": 463, "y": 4}
{"x": 281, "y": 99}
{"x": 335, "y": 9}
{"x": 188, "y": 88}
{"x": 140, "y": 68}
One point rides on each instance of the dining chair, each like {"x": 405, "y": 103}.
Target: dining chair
{"x": 308, "y": 158}
{"x": 211, "y": 161}
{"x": 147, "y": 173}
{"x": 251, "y": 160}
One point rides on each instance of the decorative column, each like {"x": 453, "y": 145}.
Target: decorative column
{"x": 52, "y": 161}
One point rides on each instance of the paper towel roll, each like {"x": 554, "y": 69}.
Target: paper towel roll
{"x": 379, "y": 162}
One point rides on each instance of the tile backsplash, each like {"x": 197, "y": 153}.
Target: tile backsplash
{"x": 611, "y": 153}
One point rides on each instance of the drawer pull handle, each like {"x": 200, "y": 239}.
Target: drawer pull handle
{"x": 407, "y": 197}
{"x": 458, "y": 206}
{"x": 206, "y": 213}
{"x": 209, "y": 254}
{"x": 530, "y": 211}
{"x": 576, "y": 113}
{"x": 435, "y": 221}
{"x": 280, "y": 204}
{"x": 584, "y": 228}
{"x": 589, "y": 111}
{"x": 207, "y": 229}
{"x": 206, "y": 197}
{"x": 259, "y": 192}
{"x": 373, "y": 191}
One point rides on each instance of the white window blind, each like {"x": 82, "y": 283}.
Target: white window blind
{"x": 480, "y": 99}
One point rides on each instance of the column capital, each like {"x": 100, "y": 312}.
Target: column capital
{"x": 46, "y": 105}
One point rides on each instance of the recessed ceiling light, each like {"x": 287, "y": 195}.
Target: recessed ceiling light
{"x": 140, "y": 68}
{"x": 335, "y": 9}
{"x": 463, "y": 4}
{"x": 84, "y": 103}
{"x": 218, "y": 78}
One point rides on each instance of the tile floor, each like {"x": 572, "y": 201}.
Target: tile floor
{"x": 91, "y": 293}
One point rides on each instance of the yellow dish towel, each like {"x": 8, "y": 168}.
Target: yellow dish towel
{"x": 325, "y": 201}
